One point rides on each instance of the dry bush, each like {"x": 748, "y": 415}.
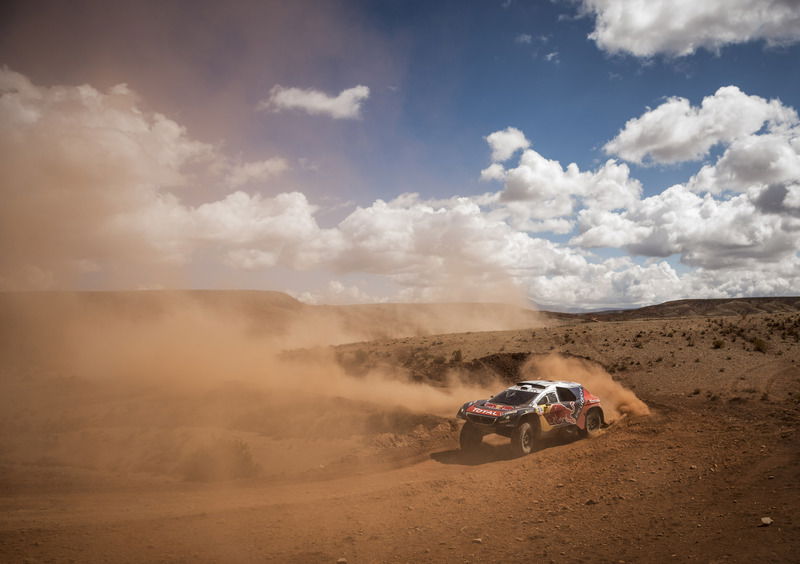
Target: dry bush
{"x": 759, "y": 345}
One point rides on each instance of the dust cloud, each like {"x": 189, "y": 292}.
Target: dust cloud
{"x": 195, "y": 385}
{"x": 617, "y": 399}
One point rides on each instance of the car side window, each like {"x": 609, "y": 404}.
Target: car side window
{"x": 549, "y": 398}
{"x": 542, "y": 401}
{"x": 565, "y": 394}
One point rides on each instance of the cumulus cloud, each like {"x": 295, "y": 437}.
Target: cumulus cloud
{"x": 337, "y": 292}
{"x": 91, "y": 185}
{"x": 736, "y": 218}
{"x": 680, "y": 27}
{"x": 541, "y": 189}
{"x": 74, "y": 158}
{"x": 494, "y": 171}
{"x": 95, "y": 188}
{"x": 506, "y": 142}
{"x": 346, "y": 105}
{"x": 609, "y": 283}
{"x": 752, "y": 162}
{"x": 676, "y": 131}
{"x": 705, "y": 232}
{"x": 241, "y": 174}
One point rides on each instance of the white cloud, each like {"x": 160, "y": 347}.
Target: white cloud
{"x": 610, "y": 283}
{"x": 792, "y": 198}
{"x": 675, "y": 131}
{"x": 549, "y": 188}
{"x": 705, "y": 232}
{"x": 242, "y": 174}
{"x": 680, "y": 27}
{"x": 346, "y": 105}
{"x": 494, "y": 171}
{"x": 73, "y": 159}
{"x": 93, "y": 187}
{"x": 251, "y": 259}
{"x": 506, "y": 142}
{"x": 770, "y": 279}
{"x": 753, "y": 161}
{"x": 539, "y": 188}
{"x": 89, "y": 178}
{"x": 523, "y": 39}
{"x": 337, "y": 292}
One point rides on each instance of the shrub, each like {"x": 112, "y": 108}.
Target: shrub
{"x": 717, "y": 344}
{"x": 760, "y": 345}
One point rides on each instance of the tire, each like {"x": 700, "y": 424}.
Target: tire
{"x": 593, "y": 423}
{"x": 522, "y": 439}
{"x": 470, "y": 437}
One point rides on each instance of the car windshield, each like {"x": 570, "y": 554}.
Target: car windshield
{"x": 513, "y": 397}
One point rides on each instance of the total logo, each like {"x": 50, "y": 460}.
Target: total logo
{"x": 481, "y": 411}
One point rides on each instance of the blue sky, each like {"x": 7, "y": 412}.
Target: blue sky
{"x": 274, "y": 146}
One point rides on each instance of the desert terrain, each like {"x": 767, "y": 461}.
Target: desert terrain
{"x": 248, "y": 427}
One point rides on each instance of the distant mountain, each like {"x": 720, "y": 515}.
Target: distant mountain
{"x": 693, "y": 308}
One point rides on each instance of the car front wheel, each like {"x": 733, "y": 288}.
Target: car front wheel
{"x": 470, "y": 437}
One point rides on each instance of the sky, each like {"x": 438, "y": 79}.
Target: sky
{"x": 576, "y": 154}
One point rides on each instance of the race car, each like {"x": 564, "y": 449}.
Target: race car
{"x": 527, "y": 410}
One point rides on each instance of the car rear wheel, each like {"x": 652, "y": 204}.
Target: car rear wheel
{"x": 594, "y": 421}
{"x": 522, "y": 439}
{"x": 470, "y": 437}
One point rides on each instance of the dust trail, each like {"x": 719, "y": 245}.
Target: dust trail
{"x": 191, "y": 386}
{"x": 617, "y": 399}
{"x": 195, "y": 341}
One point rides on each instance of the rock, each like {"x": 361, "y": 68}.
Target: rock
{"x": 478, "y": 540}
{"x": 766, "y": 522}
{"x": 591, "y": 502}
{"x": 342, "y": 561}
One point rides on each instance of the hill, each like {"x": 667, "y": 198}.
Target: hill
{"x": 694, "y": 308}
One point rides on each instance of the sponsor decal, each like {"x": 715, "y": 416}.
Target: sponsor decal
{"x": 481, "y": 411}
{"x": 498, "y": 406}
{"x": 558, "y": 414}
{"x": 591, "y": 398}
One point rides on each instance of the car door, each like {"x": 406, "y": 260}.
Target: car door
{"x": 572, "y": 400}
{"x": 555, "y": 413}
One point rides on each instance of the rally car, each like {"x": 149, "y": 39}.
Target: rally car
{"x": 528, "y": 409}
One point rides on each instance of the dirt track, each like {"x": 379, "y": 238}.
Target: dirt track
{"x": 690, "y": 482}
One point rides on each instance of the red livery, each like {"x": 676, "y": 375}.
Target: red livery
{"x": 528, "y": 409}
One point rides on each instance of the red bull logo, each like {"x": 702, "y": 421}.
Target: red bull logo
{"x": 559, "y": 414}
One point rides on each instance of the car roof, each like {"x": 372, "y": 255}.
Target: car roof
{"x": 544, "y": 384}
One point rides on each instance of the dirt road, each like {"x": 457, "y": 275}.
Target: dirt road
{"x": 689, "y": 483}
